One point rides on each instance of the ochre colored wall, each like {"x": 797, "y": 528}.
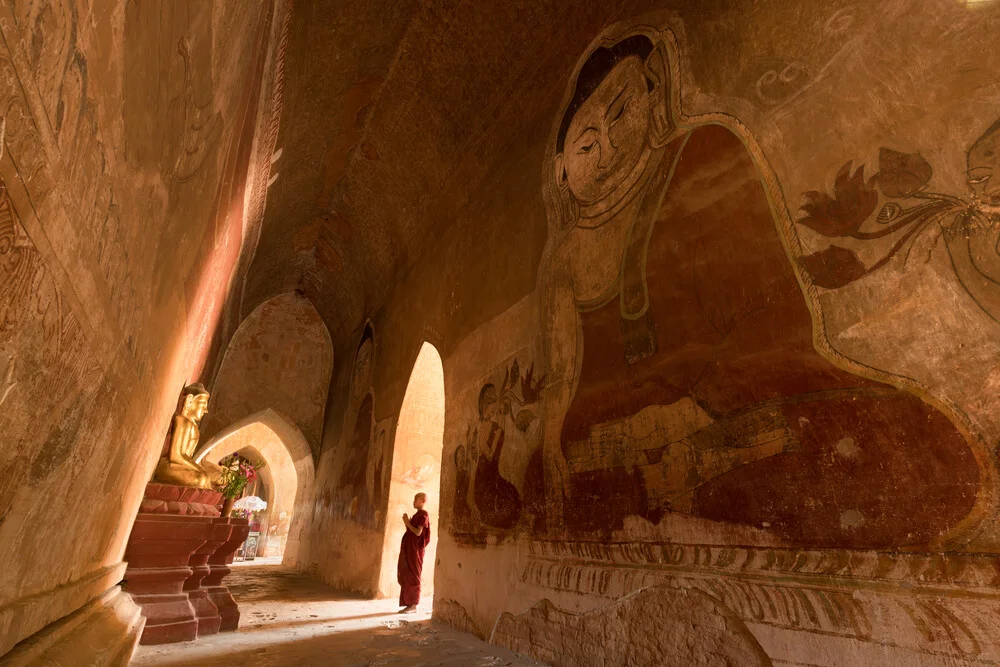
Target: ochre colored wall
{"x": 128, "y": 163}
{"x": 714, "y": 286}
{"x": 731, "y": 366}
{"x": 280, "y": 358}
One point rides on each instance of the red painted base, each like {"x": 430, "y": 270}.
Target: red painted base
{"x": 207, "y": 617}
{"x": 158, "y": 553}
{"x": 219, "y": 564}
{"x": 169, "y": 619}
{"x": 206, "y": 613}
{"x": 177, "y": 557}
{"x": 229, "y": 611}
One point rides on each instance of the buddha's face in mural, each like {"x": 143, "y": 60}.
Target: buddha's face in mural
{"x": 362, "y": 370}
{"x": 607, "y": 139}
{"x": 984, "y": 170}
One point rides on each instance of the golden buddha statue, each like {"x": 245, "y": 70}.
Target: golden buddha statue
{"x": 179, "y": 466}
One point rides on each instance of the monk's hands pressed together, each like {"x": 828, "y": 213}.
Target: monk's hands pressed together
{"x": 406, "y": 518}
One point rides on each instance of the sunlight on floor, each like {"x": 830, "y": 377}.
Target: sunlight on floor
{"x": 289, "y": 619}
{"x": 256, "y": 562}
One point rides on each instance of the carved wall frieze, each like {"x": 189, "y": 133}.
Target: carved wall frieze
{"x": 835, "y": 564}
{"x": 941, "y": 604}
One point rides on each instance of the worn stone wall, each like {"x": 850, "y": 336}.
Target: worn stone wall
{"x": 128, "y": 160}
{"x": 280, "y": 358}
{"x": 688, "y": 341}
{"x": 345, "y": 529}
{"x": 714, "y": 286}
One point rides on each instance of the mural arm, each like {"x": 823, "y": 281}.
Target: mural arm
{"x": 472, "y": 450}
{"x": 561, "y": 343}
{"x": 496, "y": 441}
{"x": 471, "y": 461}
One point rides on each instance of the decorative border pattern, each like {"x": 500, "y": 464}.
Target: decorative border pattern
{"x": 934, "y": 603}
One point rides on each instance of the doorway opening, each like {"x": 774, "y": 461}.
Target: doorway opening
{"x": 284, "y": 483}
{"x": 416, "y": 467}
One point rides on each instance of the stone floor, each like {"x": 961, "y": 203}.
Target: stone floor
{"x": 290, "y": 619}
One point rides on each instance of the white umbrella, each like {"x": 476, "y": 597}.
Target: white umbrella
{"x": 252, "y": 503}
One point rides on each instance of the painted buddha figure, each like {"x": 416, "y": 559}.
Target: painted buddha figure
{"x": 682, "y": 371}
{"x": 179, "y": 466}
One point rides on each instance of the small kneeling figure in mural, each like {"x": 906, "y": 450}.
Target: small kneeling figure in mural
{"x": 411, "y": 555}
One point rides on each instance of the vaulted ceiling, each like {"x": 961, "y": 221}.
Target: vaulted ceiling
{"x": 395, "y": 111}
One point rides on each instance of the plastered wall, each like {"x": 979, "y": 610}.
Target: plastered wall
{"x": 690, "y": 345}
{"x": 713, "y": 285}
{"x": 128, "y": 179}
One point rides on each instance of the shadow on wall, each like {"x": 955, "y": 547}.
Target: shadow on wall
{"x": 289, "y": 463}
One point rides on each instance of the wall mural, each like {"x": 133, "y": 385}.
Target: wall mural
{"x": 491, "y": 497}
{"x": 682, "y": 374}
{"x": 363, "y": 487}
{"x": 970, "y": 228}
{"x": 37, "y": 330}
{"x": 92, "y": 303}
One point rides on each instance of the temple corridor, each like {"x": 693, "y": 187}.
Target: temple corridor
{"x": 289, "y": 619}
{"x": 597, "y": 333}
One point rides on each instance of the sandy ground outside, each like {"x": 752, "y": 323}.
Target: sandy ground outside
{"x": 288, "y": 618}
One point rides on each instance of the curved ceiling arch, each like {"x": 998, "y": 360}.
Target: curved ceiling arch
{"x": 280, "y": 357}
{"x": 289, "y": 459}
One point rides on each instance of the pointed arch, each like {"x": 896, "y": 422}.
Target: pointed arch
{"x": 289, "y": 461}
{"x": 416, "y": 464}
{"x": 280, "y": 357}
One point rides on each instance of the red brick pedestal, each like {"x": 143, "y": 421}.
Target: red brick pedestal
{"x": 206, "y": 613}
{"x": 219, "y": 563}
{"x": 174, "y": 523}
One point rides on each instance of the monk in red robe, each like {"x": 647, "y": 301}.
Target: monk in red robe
{"x": 411, "y": 555}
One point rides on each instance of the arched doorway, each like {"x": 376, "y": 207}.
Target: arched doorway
{"x": 416, "y": 466}
{"x": 289, "y": 473}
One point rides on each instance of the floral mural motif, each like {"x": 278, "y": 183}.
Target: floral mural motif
{"x": 483, "y": 495}
{"x": 970, "y": 227}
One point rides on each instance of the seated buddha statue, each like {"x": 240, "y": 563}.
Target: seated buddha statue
{"x": 178, "y": 466}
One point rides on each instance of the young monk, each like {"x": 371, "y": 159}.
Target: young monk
{"x": 411, "y": 555}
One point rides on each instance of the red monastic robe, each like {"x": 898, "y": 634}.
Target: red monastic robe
{"x": 411, "y": 559}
